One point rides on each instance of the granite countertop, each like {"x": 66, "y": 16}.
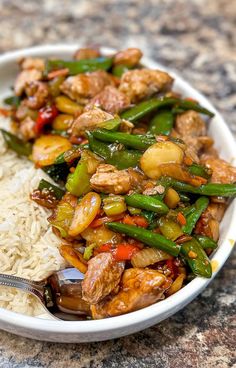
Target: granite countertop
{"x": 197, "y": 39}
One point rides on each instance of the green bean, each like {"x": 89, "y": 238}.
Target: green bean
{"x": 79, "y": 66}
{"x": 58, "y": 173}
{"x": 162, "y": 123}
{"x": 146, "y": 236}
{"x": 13, "y": 101}
{"x": 58, "y": 192}
{"x": 119, "y": 70}
{"x": 122, "y": 159}
{"x": 140, "y": 142}
{"x": 200, "y": 170}
{"x": 196, "y": 258}
{"x": 143, "y": 108}
{"x": 186, "y": 211}
{"x": 210, "y": 189}
{"x": 206, "y": 242}
{"x": 146, "y": 202}
{"x": 191, "y": 220}
{"x": 16, "y": 144}
{"x": 183, "y": 197}
{"x": 112, "y": 124}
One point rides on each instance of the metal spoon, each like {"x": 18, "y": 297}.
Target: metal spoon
{"x": 60, "y": 294}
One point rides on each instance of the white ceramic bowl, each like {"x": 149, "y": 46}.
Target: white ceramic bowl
{"x": 84, "y": 331}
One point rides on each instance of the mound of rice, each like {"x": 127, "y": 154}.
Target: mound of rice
{"x": 28, "y": 247}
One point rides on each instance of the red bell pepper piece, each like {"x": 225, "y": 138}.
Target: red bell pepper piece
{"x": 135, "y": 220}
{"x": 46, "y": 115}
{"x": 120, "y": 252}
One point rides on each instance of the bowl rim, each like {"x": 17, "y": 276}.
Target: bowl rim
{"x": 165, "y": 307}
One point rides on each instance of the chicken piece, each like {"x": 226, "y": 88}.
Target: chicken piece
{"x": 86, "y": 53}
{"x": 191, "y": 124}
{"x": 208, "y": 224}
{"x": 82, "y": 87}
{"x": 102, "y": 277}
{"x": 222, "y": 171}
{"x": 141, "y": 83}
{"x": 89, "y": 120}
{"x": 109, "y": 99}
{"x": 190, "y": 127}
{"x": 24, "y": 78}
{"x": 22, "y": 110}
{"x": 139, "y": 288}
{"x": 129, "y": 57}
{"x": 27, "y": 128}
{"x": 32, "y": 63}
{"x": 37, "y": 93}
{"x": 108, "y": 179}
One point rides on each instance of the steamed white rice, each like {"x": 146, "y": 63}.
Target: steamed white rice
{"x": 28, "y": 248}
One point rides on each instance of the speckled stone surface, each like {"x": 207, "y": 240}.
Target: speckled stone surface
{"x": 197, "y": 39}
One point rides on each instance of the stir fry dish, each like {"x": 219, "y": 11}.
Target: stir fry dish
{"x": 138, "y": 189}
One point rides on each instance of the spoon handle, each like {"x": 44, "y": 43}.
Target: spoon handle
{"x": 34, "y": 287}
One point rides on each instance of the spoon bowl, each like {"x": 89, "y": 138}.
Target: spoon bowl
{"x": 60, "y": 294}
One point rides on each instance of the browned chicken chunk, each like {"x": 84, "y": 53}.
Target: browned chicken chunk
{"x": 86, "y": 53}
{"x": 190, "y": 123}
{"x": 27, "y": 128}
{"x": 222, "y": 171}
{"x": 191, "y": 128}
{"x": 110, "y": 99}
{"x": 82, "y": 87}
{"x": 142, "y": 83}
{"x": 139, "y": 288}
{"x": 129, "y": 57}
{"x": 32, "y": 63}
{"x": 89, "y": 120}
{"x": 37, "y": 93}
{"x": 103, "y": 276}
{"x": 24, "y": 78}
{"x": 108, "y": 179}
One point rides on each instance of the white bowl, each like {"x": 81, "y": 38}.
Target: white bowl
{"x": 98, "y": 330}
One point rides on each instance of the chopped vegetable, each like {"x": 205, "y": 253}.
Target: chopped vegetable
{"x": 139, "y": 142}
{"x": 85, "y": 213}
{"x": 146, "y": 236}
{"x": 162, "y": 123}
{"x": 135, "y": 220}
{"x": 73, "y": 257}
{"x": 46, "y": 116}
{"x": 62, "y": 217}
{"x": 146, "y": 203}
{"x": 89, "y": 251}
{"x": 16, "y": 144}
{"x": 177, "y": 285}
{"x": 196, "y": 258}
{"x": 148, "y": 256}
{"x": 122, "y": 159}
{"x": 169, "y": 228}
{"x": 47, "y": 148}
{"x": 143, "y": 108}
{"x": 210, "y": 189}
{"x": 67, "y": 106}
{"x": 57, "y": 192}
{"x": 206, "y": 242}
{"x": 171, "y": 198}
{"x": 114, "y": 205}
{"x": 120, "y": 252}
{"x": 13, "y": 101}
{"x": 158, "y": 154}
{"x": 79, "y": 66}
{"x": 191, "y": 220}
